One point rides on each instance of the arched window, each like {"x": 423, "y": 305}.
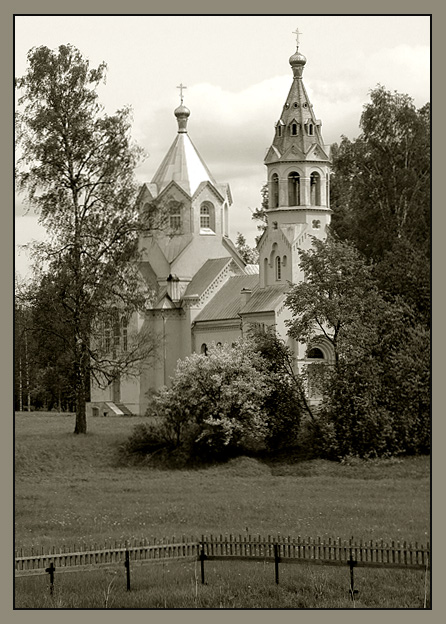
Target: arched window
{"x": 293, "y": 189}
{"x": 315, "y": 373}
{"x": 315, "y": 189}
{"x": 265, "y": 271}
{"x": 327, "y": 190}
{"x": 284, "y": 261}
{"x": 204, "y": 348}
{"x": 274, "y": 190}
{"x": 315, "y": 353}
{"x": 310, "y": 129}
{"x": 175, "y": 216}
{"x": 279, "y": 131}
{"x": 278, "y": 269}
{"x": 294, "y": 129}
{"x": 205, "y": 217}
{"x": 225, "y": 220}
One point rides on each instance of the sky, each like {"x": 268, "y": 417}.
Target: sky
{"x": 237, "y": 75}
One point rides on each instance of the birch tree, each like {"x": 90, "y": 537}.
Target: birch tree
{"x": 75, "y": 166}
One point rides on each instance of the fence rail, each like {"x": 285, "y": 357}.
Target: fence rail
{"x": 314, "y": 551}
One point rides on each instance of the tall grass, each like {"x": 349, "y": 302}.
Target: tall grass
{"x": 235, "y": 584}
{"x": 72, "y": 489}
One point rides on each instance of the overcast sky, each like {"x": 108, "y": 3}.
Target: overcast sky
{"x": 237, "y": 75}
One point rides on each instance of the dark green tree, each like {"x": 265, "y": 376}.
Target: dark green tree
{"x": 76, "y": 166}
{"x": 286, "y": 404}
{"x": 259, "y": 214}
{"x": 380, "y": 195}
{"x": 376, "y": 395}
{"x": 249, "y": 254}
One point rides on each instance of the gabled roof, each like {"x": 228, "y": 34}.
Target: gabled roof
{"x": 172, "y": 246}
{"x": 184, "y": 165}
{"x": 227, "y": 302}
{"x": 265, "y": 299}
{"x": 206, "y": 275}
{"x": 227, "y": 242}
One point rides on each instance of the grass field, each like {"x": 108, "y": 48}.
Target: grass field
{"x": 71, "y": 490}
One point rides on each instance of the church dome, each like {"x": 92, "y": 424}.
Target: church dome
{"x": 297, "y": 62}
{"x": 182, "y": 114}
{"x": 181, "y": 111}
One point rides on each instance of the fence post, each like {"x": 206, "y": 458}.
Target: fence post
{"x": 352, "y": 563}
{"x": 276, "y": 562}
{"x": 50, "y": 571}
{"x": 202, "y": 558}
{"x": 127, "y": 566}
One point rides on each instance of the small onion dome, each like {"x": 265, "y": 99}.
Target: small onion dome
{"x": 297, "y": 62}
{"x": 182, "y": 113}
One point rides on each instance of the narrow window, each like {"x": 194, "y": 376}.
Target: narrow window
{"x": 124, "y": 334}
{"x": 279, "y": 131}
{"x": 294, "y": 129}
{"x": 274, "y": 190}
{"x": 205, "y": 217}
{"x": 278, "y": 269}
{"x": 315, "y": 189}
{"x": 107, "y": 336}
{"x": 293, "y": 189}
{"x": 310, "y": 129}
{"x": 175, "y": 216}
{"x": 204, "y": 349}
{"x": 116, "y": 330}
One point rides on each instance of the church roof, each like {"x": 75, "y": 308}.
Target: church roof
{"x": 297, "y": 110}
{"x": 265, "y": 299}
{"x": 227, "y": 302}
{"x": 206, "y": 275}
{"x": 182, "y": 163}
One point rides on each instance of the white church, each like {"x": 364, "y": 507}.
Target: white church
{"x": 205, "y": 292}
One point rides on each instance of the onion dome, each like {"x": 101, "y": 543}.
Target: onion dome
{"x": 182, "y": 114}
{"x": 297, "y": 62}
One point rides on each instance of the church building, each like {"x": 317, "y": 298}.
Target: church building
{"x": 205, "y": 292}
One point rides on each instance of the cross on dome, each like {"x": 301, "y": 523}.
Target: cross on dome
{"x": 181, "y": 87}
{"x": 297, "y": 33}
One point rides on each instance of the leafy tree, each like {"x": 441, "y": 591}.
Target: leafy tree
{"x": 259, "y": 213}
{"x": 381, "y": 180}
{"x": 249, "y": 255}
{"x": 376, "y": 396}
{"x": 75, "y": 166}
{"x": 338, "y": 300}
{"x": 286, "y": 403}
{"x": 380, "y": 195}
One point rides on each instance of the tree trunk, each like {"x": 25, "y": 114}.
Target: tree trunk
{"x": 28, "y": 390}
{"x": 81, "y": 415}
{"x": 20, "y": 385}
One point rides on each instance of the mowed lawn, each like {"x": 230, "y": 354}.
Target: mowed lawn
{"x": 71, "y": 490}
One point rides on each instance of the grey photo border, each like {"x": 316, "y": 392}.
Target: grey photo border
{"x": 242, "y": 7}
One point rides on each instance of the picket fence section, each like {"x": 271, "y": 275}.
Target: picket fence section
{"x": 84, "y": 557}
{"x": 255, "y": 548}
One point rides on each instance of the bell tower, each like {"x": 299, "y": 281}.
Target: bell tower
{"x": 298, "y": 170}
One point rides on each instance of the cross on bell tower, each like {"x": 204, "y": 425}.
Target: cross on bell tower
{"x": 181, "y": 86}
